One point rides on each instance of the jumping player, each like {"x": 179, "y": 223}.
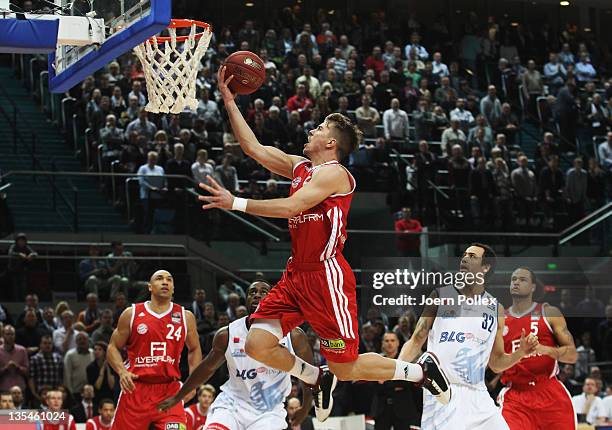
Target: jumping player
{"x": 318, "y": 284}
{"x": 55, "y": 400}
{"x": 155, "y": 333}
{"x": 253, "y": 396}
{"x": 106, "y": 409}
{"x": 466, "y": 337}
{"x": 533, "y": 381}
{"x": 198, "y": 412}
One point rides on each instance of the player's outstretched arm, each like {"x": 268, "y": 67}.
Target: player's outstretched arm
{"x": 213, "y": 360}
{"x": 566, "y": 351}
{"x": 302, "y": 349}
{"x": 113, "y": 354}
{"x": 414, "y": 347}
{"x": 324, "y": 183}
{"x": 270, "y": 157}
{"x": 499, "y": 360}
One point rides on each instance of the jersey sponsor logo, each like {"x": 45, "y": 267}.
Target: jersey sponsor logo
{"x": 176, "y": 317}
{"x": 296, "y": 181}
{"x": 246, "y": 374}
{"x": 236, "y": 340}
{"x": 334, "y": 345}
{"x": 158, "y": 354}
{"x": 453, "y": 336}
{"x": 175, "y": 426}
{"x": 303, "y": 218}
{"x": 142, "y": 328}
{"x": 238, "y": 353}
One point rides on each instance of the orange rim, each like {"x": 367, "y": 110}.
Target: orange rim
{"x": 182, "y": 23}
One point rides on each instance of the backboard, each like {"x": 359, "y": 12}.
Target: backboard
{"x": 127, "y": 23}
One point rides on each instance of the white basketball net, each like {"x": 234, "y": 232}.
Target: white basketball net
{"x": 170, "y": 70}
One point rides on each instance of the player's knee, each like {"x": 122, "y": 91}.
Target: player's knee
{"x": 343, "y": 371}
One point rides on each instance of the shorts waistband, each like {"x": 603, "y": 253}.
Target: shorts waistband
{"x": 311, "y": 266}
{"x": 156, "y": 382}
{"x": 533, "y": 384}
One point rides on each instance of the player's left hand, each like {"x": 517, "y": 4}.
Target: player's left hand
{"x": 219, "y": 197}
{"x": 164, "y": 405}
{"x": 299, "y": 416}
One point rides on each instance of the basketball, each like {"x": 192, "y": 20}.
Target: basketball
{"x": 248, "y": 70}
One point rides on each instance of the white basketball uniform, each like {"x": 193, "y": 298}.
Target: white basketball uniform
{"x": 253, "y": 396}
{"x": 462, "y": 338}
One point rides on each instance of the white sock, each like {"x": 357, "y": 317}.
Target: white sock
{"x": 304, "y": 371}
{"x": 405, "y": 371}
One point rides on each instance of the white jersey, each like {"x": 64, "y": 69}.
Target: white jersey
{"x": 462, "y": 337}
{"x": 262, "y": 388}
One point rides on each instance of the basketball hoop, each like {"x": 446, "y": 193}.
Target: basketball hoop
{"x": 170, "y": 65}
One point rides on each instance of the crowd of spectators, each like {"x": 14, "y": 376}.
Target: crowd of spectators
{"x": 430, "y": 109}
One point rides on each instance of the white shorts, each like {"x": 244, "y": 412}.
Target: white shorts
{"x": 468, "y": 409}
{"x": 227, "y": 413}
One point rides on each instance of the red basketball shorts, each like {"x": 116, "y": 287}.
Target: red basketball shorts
{"x": 544, "y": 406}
{"x": 138, "y": 410}
{"x": 324, "y": 295}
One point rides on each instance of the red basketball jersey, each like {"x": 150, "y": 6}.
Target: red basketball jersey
{"x": 320, "y": 232}
{"x": 96, "y": 424}
{"x": 195, "y": 419}
{"x": 68, "y": 424}
{"x": 156, "y": 342}
{"x": 533, "y": 367}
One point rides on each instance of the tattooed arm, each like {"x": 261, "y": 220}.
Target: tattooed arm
{"x": 413, "y": 348}
{"x": 566, "y": 351}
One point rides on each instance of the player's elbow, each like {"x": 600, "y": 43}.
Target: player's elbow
{"x": 495, "y": 366}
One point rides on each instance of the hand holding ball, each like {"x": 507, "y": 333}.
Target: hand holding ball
{"x": 248, "y": 71}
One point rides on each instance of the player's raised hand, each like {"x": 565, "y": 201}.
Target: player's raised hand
{"x": 219, "y": 197}
{"x": 164, "y": 405}
{"x": 126, "y": 380}
{"x": 226, "y": 93}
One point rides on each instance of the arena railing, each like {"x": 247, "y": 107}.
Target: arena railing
{"x": 51, "y": 175}
{"x": 62, "y": 275}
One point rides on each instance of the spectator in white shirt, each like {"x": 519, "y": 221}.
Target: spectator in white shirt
{"x": 465, "y": 117}
{"x": 554, "y": 72}
{"x": 606, "y": 406}
{"x": 152, "y": 184}
{"x": 208, "y": 110}
{"x": 439, "y": 68}
{"x": 584, "y": 70}
{"x": 605, "y": 152}
{"x": 452, "y": 136}
{"x": 415, "y": 40}
{"x": 588, "y": 404}
{"x": 141, "y": 126}
{"x": 202, "y": 169}
{"x": 395, "y": 121}
{"x": 312, "y": 83}
{"x": 64, "y": 337}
